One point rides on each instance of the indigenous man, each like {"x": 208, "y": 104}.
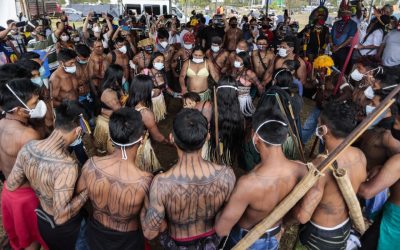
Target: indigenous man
{"x": 119, "y": 56}
{"x": 142, "y": 59}
{"x": 323, "y": 209}
{"x": 257, "y": 193}
{"x": 218, "y": 55}
{"x": 183, "y": 54}
{"x": 167, "y": 50}
{"x": 117, "y": 187}
{"x": 263, "y": 60}
{"x": 97, "y": 63}
{"x": 63, "y": 82}
{"x": 191, "y": 193}
{"x": 286, "y": 52}
{"x": 21, "y": 102}
{"x": 52, "y": 173}
{"x": 232, "y": 35}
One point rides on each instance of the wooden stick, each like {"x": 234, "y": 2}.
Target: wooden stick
{"x": 218, "y": 155}
{"x": 301, "y": 189}
{"x": 313, "y": 147}
{"x": 297, "y": 132}
{"x": 282, "y": 108}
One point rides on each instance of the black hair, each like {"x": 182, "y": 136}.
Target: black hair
{"x": 230, "y": 122}
{"x": 12, "y": 71}
{"x": 91, "y": 41}
{"x": 66, "y": 55}
{"x": 202, "y": 20}
{"x": 23, "y": 88}
{"x": 245, "y": 18}
{"x": 140, "y": 91}
{"x": 216, "y": 40}
{"x": 273, "y": 132}
{"x": 190, "y": 129}
{"x": 339, "y": 117}
{"x": 232, "y": 19}
{"x": 290, "y": 41}
{"x": 283, "y": 78}
{"x": 262, "y": 37}
{"x": 82, "y": 50}
{"x": 292, "y": 64}
{"x": 198, "y": 47}
{"x": 246, "y": 59}
{"x": 162, "y": 33}
{"x": 376, "y": 25}
{"x": 68, "y": 115}
{"x": 30, "y": 55}
{"x": 126, "y": 126}
{"x": 119, "y": 40}
{"x": 192, "y": 96}
{"x": 368, "y": 62}
{"x": 29, "y": 64}
{"x": 112, "y": 77}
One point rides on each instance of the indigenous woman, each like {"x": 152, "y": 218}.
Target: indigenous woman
{"x": 140, "y": 99}
{"x": 245, "y": 78}
{"x": 196, "y": 72}
{"x": 111, "y": 97}
{"x": 160, "y": 84}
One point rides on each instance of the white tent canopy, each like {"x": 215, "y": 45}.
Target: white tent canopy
{"x": 8, "y": 10}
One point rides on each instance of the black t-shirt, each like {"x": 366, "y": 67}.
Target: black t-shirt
{"x": 209, "y": 32}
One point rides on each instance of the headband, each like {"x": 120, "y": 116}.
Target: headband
{"x": 123, "y": 147}
{"x": 266, "y": 122}
{"x": 227, "y": 86}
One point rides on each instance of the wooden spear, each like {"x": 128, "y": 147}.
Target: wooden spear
{"x": 308, "y": 181}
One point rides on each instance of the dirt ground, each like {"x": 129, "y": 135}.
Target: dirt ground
{"x": 168, "y": 157}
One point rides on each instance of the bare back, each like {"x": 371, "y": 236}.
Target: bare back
{"x": 116, "y": 189}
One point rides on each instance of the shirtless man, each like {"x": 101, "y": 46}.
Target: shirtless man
{"x": 119, "y": 56}
{"x": 63, "y": 82}
{"x": 242, "y": 46}
{"x": 117, "y": 187}
{"x": 164, "y": 47}
{"x": 183, "y": 54}
{"x": 142, "y": 59}
{"x": 97, "y": 64}
{"x": 14, "y": 134}
{"x": 263, "y": 59}
{"x": 233, "y": 35}
{"x": 286, "y": 52}
{"x": 218, "y": 55}
{"x": 259, "y": 192}
{"x": 323, "y": 209}
{"x": 191, "y": 193}
{"x": 52, "y": 173}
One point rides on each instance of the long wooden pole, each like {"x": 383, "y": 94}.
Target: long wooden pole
{"x": 218, "y": 153}
{"x": 301, "y": 189}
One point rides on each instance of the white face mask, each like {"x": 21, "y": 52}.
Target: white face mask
{"x": 369, "y": 93}
{"x": 164, "y": 44}
{"x": 105, "y": 44}
{"x": 96, "y": 29}
{"x": 77, "y": 141}
{"x": 123, "y": 49}
{"x": 282, "y": 52}
{"x": 198, "y": 60}
{"x": 64, "y": 38}
{"x": 39, "y": 111}
{"x": 237, "y": 64}
{"x": 70, "y": 70}
{"x": 215, "y": 48}
{"x": 37, "y": 81}
{"x": 76, "y": 39}
{"x": 356, "y": 75}
{"x": 188, "y": 46}
{"x": 239, "y": 50}
{"x": 318, "y": 134}
{"x": 42, "y": 71}
{"x": 369, "y": 109}
{"x": 158, "y": 65}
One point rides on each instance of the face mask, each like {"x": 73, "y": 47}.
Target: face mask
{"x": 369, "y": 109}
{"x": 77, "y": 141}
{"x": 89, "y": 26}
{"x": 105, "y": 44}
{"x": 39, "y": 111}
{"x": 38, "y": 81}
{"x": 42, "y": 71}
{"x": 282, "y": 52}
{"x": 70, "y": 70}
{"x": 188, "y": 46}
{"x": 198, "y": 60}
{"x": 215, "y": 48}
{"x": 148, "y": 49}
{"x": 76, "y": 39}
{"x": 96, "y": 29}
{"x": 262, "y": 47}
{"x": 123, "y": 49}
{"x": 164, "y": 44}
{"x": 158, "y": 66}
{"x": 64, "y": 38}
{"x": 239, "y": 50}
{"x": 319, "y": 134}
{"x": 356, "y": 75}
{"x": 82, "y": 61}
{"x": 237, "y": 64}
{"x": 369, "y": 93}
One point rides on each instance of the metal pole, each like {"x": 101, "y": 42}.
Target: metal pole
{"x": 266, "y": 7}
{"x": 170, "y": 7}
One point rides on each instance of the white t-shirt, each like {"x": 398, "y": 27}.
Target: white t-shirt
{"x": 391, "y": 54}
{"x": 375, "y": 38}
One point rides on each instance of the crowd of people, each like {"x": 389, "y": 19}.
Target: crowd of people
{"x": 242, "y": 86}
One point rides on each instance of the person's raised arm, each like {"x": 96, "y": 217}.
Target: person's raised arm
{"x": 387, "y": 176}
{"x": 155, "y": 213}
{"x": 109, "y": 25}
{"x": 116, "y": 34}
{"x": 234, "y": 209}
{"x": 64, "y": 205}
{"x": 61, "y": 26}
{"x": 5, "y": 32}
{"x": 85, "y": 25}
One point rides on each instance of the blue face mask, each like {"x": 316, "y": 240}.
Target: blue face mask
{"x": 37, "y": 81}
{"x": 42, "y": 71}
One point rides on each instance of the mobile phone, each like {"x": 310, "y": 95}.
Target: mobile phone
{"x": 97, "y": 15}
{"x": 20, "y": 24}
{"x": 167, "y": 16}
